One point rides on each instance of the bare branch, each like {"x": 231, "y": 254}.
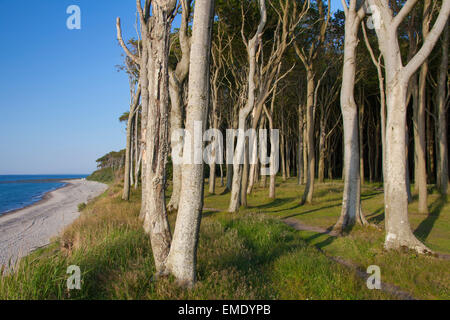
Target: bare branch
{"x": 125, "y": 48}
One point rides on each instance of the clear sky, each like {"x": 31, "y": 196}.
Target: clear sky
{"x": 60, "y": 92}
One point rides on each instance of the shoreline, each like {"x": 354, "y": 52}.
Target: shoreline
{"x": 45, "y": 197}
{"x": 27, "y": 229}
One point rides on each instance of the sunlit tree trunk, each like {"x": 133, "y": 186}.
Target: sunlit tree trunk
{"x": 183, "y": 253}
{"x": 129, "y": 146}
{"x": 351, "y": 211}
{"x": 419, "y": 136}
{"x": 177, "y": 78}
{"x": 157, "y": 140}
{"x": 252, "y": 47}
{"x": 398, "y": 230}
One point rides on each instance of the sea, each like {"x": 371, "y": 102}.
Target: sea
{"x": 19, "y": 191}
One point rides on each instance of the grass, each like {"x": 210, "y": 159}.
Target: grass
{"x": 249, "y": 255}
{"x": 423, "y": 277}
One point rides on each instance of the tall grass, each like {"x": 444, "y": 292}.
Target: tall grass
{"x": 240, "y": 256}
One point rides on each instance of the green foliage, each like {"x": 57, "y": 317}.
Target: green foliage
{"x": 81, "y": 206}
{"x": 111, "y": 160}
{"x": 105, "y": 175}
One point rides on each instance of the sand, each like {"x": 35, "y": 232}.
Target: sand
{"x": 27, "y": 229}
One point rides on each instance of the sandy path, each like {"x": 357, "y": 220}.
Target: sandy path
{"x": 30, "y": 228}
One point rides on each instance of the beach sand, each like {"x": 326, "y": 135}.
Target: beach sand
{"x": 30, "y": 228}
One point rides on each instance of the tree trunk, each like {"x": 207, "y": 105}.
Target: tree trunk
{"x": 252, "y": 47}
{"x": 177, "y": 79}
{"x": 137, "y": 151}
{"x": 420, "y": 145}
{"x": 361, "y": 135}
{"x": 283, "y": 158}
{"x": 300, "y": 146}
{"x": 244, "y": 182}
{"x": 351, "y": 203}
{"x": 176, "y": 123}
{"x": 442, "y": 117}
{"x": 310, "y": 172}
{"x": 305, "y": 154}
{"x": 214, "y": 152}
{"x": 229, "y": 176}
{"x": 128, "y": 151}
{"x": 254, "y": 162}
{"x": 398, "y": 229}
{"x": 183, "y": 253}
{"x": 157, "y": 144}
{"x": 322, "y": 134}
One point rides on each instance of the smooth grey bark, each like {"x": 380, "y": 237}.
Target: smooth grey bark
{"x": 361, "y": 135}
{"x": 133, "y": 106}
{"x": 183, "y": 253}
{"x": 310, "y": 119}
{"x": 419, "y": 113}
{"x": 252, "y": 46}
{"x": 398, "y": 230}
{"x": 137, "y": 151}
{"x": 177, "y": 78}
{"x": 272, "y": 159}
{"x": 144, "y": 60}
{"x": 128, "y": 174}
{"x": 351, "y": 211}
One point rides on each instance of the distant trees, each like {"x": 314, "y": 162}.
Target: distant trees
{"x": 114, "y": 160}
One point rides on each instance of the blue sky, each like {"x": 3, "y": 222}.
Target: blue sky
{"x": 60, "y": 92}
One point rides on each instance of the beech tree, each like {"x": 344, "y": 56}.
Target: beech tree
{"x": 181, "y": 261}
{"x": 252, "y": 46}
{"x": 351, "y": 203}
{"x": 398, "y": 230}
{"x": 155, "y": 21}
{"x": 419, "y": 118}
{"x": 308, "y": 55}
{"x": 177, "y": 78}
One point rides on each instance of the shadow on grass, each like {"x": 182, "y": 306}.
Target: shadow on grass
{"x": 368, "y": 196}
{"x": 425, "y": 227}
{"x": 311, "y": 211}
{"x": 275, "y": 203}
{"x": 376, "y": 217}
{"x": 324, "y": 192}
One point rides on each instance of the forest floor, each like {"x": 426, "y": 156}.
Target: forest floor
{"x": 253, "y": 254}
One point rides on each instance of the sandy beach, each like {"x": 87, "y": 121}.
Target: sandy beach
{"x": 30, "y": 228}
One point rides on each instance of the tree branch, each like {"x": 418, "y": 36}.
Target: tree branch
{"x": 130, "y": 55}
